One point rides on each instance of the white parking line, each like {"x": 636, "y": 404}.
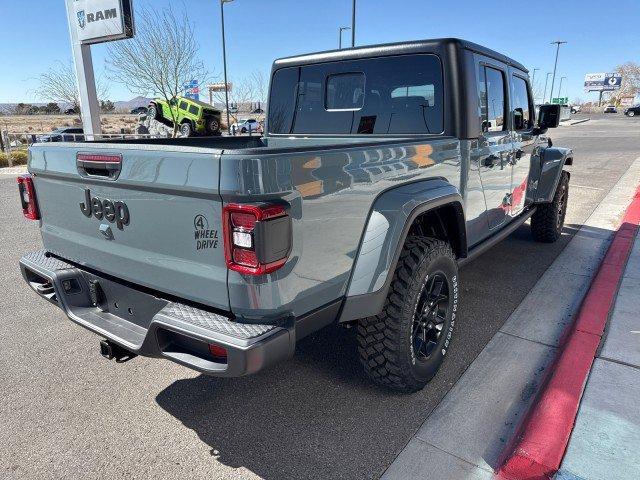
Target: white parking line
{"x": 584, "y": 186}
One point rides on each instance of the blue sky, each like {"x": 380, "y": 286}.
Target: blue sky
{"x": 259, "y": 31}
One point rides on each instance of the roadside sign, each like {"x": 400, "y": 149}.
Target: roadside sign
{"x": 220, "y": 87}
{"x": 98, "y": 21}
{"x": 599, "y": 82}
{"x": 192, "y": 90}
{"x": 560, "y": 100}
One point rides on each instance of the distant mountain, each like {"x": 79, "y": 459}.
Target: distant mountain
{"x": 133, "y": 103}
{"x": 121, "y": 106}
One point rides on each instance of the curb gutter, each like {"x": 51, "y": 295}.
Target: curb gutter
{"x": 545, "y": 434}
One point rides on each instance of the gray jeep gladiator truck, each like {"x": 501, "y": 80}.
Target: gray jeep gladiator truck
{"x": 381, "y": 171}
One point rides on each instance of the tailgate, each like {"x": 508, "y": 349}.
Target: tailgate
{"x": 150, "y": 215}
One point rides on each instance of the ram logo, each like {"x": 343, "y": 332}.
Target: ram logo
{"x": 82, "y": 18}
{"x": 88, "y": 18}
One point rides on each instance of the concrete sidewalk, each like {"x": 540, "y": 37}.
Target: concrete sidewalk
{"x": 469, "y": 434}
{"x": 605, "y": 442}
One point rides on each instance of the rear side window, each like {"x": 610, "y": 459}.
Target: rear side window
{"x": 521, "y": 105}
{"x": 194, "y": 109}
{"x": 387, "y": 95}
{"x": 492, "y": 104}
{"x": 183, "y": 105}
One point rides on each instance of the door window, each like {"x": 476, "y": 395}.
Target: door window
{"x": 521, "y": 103}
{"x": 194, "y": 110}
{"x": 492, "y": 104}
{"x": 183, "y": 105}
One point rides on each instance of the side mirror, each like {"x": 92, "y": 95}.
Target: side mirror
{"x": 548, "y": 117}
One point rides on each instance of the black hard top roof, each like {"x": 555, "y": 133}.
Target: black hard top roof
{"x": 415, "y": 46}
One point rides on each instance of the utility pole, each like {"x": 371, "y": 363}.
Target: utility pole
{"x": 555, "y": 67}
{"x": 533, "y": 83}
{"x": 353, "y": 24}
{"x": 546, "y": 82}
{"x": 224, "y": 62}
{"x": 342, "y": 29}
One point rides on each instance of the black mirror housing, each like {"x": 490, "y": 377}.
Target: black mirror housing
{"x": 549, "y": 116}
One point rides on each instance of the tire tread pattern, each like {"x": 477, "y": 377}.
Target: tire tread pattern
{"x": 544, "y": 227}
{"x": 381, "y": 348}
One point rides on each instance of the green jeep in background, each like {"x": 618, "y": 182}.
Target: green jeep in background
{"x": 192, "y": 116}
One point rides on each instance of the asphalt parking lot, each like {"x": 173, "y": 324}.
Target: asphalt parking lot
{"x": 68, "y": 413}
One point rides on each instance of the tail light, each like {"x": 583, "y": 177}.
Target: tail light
{"x": 28, "y": 197}
{"x": 257, "y": 238}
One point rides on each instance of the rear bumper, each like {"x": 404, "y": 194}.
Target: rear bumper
{"x": 151, "y": 326}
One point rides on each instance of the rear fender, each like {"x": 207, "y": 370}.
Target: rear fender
{"x": 390, "y": 220}
{"x": 552, "y": 161}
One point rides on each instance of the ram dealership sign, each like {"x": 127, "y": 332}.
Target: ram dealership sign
{"x": 598, "y": 82}
{"x": 99, "y": 21}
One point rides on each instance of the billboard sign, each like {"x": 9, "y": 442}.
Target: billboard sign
{"x": 98, "y": 21}
{"x": 598, "y": 82}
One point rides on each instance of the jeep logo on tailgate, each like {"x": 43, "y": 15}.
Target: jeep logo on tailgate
{"x": 117, "y": 212}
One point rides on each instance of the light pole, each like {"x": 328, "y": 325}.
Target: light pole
{"x": 560, "y": 87}
{"x": 546, "y": 82}
{"x": 353, "y": 24}
{"x": 342, "y": 29}
{"x": 533, "y": 79}
{"x": 555, "y": 67}
{"x": 224, "y": 63}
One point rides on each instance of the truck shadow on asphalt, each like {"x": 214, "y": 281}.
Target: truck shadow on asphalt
{"x": 317, "y": 415}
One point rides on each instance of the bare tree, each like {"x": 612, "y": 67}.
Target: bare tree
{"x": 59, "y": 84}
{"x": 261, "y": 86}
{"x": 245, "y": 93}
{"x": 160, "y": 59}
{"x": 630, "y": 87}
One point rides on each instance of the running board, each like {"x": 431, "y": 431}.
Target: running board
{"x": 481, "y": 248}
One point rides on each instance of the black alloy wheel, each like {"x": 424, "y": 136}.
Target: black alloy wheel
{"x": 430, "y": 317}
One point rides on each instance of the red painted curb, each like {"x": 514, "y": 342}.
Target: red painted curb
{"x": 545, "y": 434}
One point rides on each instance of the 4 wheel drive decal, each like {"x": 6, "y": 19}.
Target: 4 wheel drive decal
{"x": 204, "y": 236}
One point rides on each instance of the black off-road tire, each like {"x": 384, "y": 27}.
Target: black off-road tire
{"x": 213, "y": 126}
{"x": 186, "y": 130}
{"x": 152, "y": 112}
{"x": 386, "y": 341}
{"x": 548, "y": 219}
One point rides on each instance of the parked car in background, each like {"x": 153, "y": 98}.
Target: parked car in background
{"x": 138, "y": 110}
{"x": 71, "y": 111}
{"x": 258, "y": 111}
{"x": 192, "y": 116}
{"x": 65, "y": 134}
{"x": 576, "y": 108}
{"x": 632, "y": 111}
{"x": 244, "y": 126}
{"x": 610, "y": 109}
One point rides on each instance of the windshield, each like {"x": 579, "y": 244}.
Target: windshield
{"x": 387, "y": 95}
